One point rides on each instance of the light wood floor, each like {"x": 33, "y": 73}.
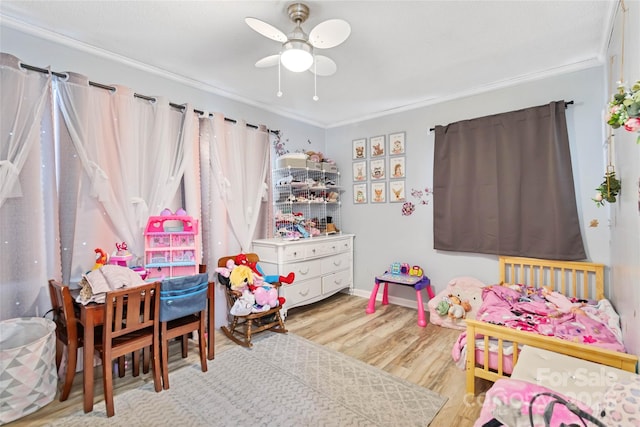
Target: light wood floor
{"x": 389, "y": 339}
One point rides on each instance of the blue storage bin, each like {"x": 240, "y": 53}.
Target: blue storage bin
{"x": 181, "y": 296}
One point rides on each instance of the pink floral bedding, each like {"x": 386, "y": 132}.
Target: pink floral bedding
{"x": 546, "y": 313}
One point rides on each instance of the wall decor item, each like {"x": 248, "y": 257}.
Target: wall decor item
{"x": 396, "y": 167}
{"x": 359, "y": 194}
{"x": 408, "y": 208}
{"x": 422, "y": 195}
{"x": 360, "y": 171}
{"x": 377, "y": 144}
{"x": 359, "y": 148}
{"x": 377, "y": 169}
{"x": 396, "y": 191}
{"x": 396, "y": 143}
{"x": 378, "y": 192}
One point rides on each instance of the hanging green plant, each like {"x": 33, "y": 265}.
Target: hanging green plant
{"x": 608, "y": 190}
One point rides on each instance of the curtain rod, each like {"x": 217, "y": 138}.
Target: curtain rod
{"x": 565, "y": 106}
{"x": 137, "y": 95}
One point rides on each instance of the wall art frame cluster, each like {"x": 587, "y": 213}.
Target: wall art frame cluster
{"x": 379, "y": 168}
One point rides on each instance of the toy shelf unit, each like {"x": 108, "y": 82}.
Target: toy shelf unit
{"x": 306, "y": 201}
{"x": 171, "y": 246}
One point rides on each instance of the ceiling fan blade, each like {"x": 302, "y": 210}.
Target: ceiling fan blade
{"x": 323, "y": 66}
{"x": 329, "y": 33}
{"x": 268, "y": 61}
{"x": 266, "y": 30}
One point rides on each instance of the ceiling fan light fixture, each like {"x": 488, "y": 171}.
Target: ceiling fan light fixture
{"x": 297, "y": 55}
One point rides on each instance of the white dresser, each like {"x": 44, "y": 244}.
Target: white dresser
{"x": 323, "y": 266}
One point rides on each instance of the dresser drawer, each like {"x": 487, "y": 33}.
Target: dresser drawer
{"x": 335, "y": 281}
{"x": 300, "y": 291}
{"x": 293, "y": 253}
{"x": 335, "y": 263}
{"x": 336, "y": 246}
{"x": 305, "y": 269}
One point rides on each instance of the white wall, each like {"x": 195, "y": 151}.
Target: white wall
{"x": 384, "y": 235}
{"x": 625, "y": 215}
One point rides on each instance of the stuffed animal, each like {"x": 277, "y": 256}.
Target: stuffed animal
{"x": 315, "y": 156}
{"x": 241, "y": 277}
{"x": 226, "y": 271}
{"x": 243, "y": 305}
{"x": 458, "y": 309}
{"x": 443, "y": 307}
{"x": 286, "y": 180}
{"x": 241, "y": 259}
{"x": 266, "y": 295}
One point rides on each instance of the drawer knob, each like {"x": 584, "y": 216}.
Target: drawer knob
{"x": 304, "y": 272}
{"x": 337, "y": 263}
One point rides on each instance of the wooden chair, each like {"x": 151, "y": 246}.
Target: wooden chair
{"x": 183, "y": 309}
{"x": 69, "y": 332}
{"x": 242, "y": 328}
{"x": 131, "y": 322}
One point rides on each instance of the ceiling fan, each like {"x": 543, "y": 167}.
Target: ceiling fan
{"x": 297, "y": 47}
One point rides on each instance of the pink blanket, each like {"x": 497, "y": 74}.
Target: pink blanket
{"x": 549, "y": 314}
{"x": 545, "y": 313}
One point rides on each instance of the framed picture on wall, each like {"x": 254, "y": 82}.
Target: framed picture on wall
{"x": 377, "y": 145}
{"x": 359, "y": 148}
{"x": 396, "y": 144}
{"x": 396, "y": 191}
{"x": 396, "y": 167}
{"x": 360, "y": 171}
{"x": 378, "y": 192}
{"x": 377, "y": 169}
{"x": 359, "y": 194}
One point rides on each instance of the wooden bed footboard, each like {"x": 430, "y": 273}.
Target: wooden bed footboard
{"x": 572, "y": 278}
{"x": 480, "y": 368}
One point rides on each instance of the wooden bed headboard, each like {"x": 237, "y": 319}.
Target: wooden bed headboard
{"x": 572, "y": 278}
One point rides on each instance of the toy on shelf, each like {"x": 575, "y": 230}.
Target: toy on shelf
{"x": 171, "y": 245}
{"x": 121, "y": 256}
{"x": 101, "y": 258}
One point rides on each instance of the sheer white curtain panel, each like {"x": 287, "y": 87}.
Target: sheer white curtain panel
{"x": 234, "y": 162}
{"x": 133, "y": 156}
{"x": 24, "y": 95}
{"x": 29, "y": 245}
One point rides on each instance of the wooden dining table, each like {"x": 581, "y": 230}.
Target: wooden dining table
{"x": 92, "y": 315}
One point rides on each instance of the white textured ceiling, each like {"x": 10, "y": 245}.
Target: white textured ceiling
{"x": 400, "y": 55}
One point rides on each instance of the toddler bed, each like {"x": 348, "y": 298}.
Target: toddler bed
{"x": 583, "y": 281}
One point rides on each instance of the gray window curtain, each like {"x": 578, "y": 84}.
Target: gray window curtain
{"x": 503, "y": 184}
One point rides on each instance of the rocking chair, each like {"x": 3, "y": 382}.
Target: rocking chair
{"x": 242, "y": 327}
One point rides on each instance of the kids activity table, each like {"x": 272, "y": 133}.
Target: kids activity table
{"x": 418, "y": 282}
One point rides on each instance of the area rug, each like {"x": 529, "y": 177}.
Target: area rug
{"x": 284, "y": 380}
